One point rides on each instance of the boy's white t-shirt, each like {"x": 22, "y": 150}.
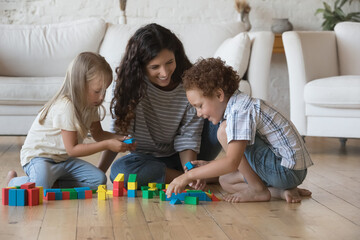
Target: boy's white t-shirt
{"x": 46, "y": 140}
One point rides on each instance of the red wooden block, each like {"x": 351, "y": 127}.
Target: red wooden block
{"x": 118, "y": 185}
{"x": 28, "y": 185}
{"x": 65, "y": 195}
{"x": 88, "y": 193}
{"x": 33, "y": 196}
{"x": 5, "y": 196}
{"x": 214, "y": 198}
{"x": 50, "y": 196}
{"x": 118, "y": 192}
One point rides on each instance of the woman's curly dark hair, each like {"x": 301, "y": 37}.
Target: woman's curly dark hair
{"x": 211, "y": 74}
{"x": 130, "y": 85}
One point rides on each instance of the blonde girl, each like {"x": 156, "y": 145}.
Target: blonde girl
{"x": 55, "y": 140}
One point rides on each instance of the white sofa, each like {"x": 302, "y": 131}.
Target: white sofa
{"x": 324, "y": 75}
{"x": 34, "y": 58}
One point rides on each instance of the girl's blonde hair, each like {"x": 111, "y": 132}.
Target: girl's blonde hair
{"x": 84, "y": 68}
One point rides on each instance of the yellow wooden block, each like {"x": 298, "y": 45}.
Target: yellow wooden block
{"x": 119, "y": 178}
{"x": 101, "y": 195}
{"x": 102, "y": 188}
{"x": 152, "y": 189}
{"x": 132, "y": 185}
{"x": 41, "y": 194}
{"x": 152, "y": 185}
{"x": 166, "y": 186}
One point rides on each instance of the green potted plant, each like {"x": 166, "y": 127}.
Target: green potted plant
{"x": 336, "y": 15}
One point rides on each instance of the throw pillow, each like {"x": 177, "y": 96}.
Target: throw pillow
{"x": 236, "y": 52}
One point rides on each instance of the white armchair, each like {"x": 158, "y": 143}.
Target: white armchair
{"x": 324, "y": 75}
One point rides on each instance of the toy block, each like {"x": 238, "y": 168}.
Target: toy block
{"x": 129, "y": 141}
{"x": 132, "y": 193}
{"x": 175, "y": 201}
{"x": 65, "y": 195}
{"x": 118, "y": 192}
{"x": 81, "y": 194}
{"x": 132, "y": 178}
{"x": 118, "y": 185}
{"x": 41, "y": 194}
{"x": 73, "y": 195}
{"x": 50, "y": 196}
{"x": 102, "y": 188}
{"x": 110, "y": 192}
{"x": 88, "y": 194}
{"x": 163, "y": 196}
{"x": 21, "y": 197}
{"x": 191, "y": 200}
{"x": 101, "y": 195}
{"x": 58, "y": 195}
{"x": 81, "y": 189}
{"x": 51, "y": 190}
{"x": 189, "y": 165}
{"x": 5, "y": 196}
{"x": 160, "y": 186}
{"x": 166, "y": 186}
{"x": 119, "y": 178}
{"x": 67, "y": 190}
{"x": 147, "y": 194}
{"x": 214, "y": 198}
{"x": 33, "y": 196}
{"x": 132, "y": 185}
{"x": 152, "y": 185}
{"x": 27, "y": 185}
{"x": 12, "y": 197}
{"x": 143, "y": 188}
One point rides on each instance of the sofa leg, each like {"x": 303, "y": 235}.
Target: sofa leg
{"x": 343, "y": 141}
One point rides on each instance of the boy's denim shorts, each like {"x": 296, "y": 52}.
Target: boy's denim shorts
{"x": 268, "y": 167}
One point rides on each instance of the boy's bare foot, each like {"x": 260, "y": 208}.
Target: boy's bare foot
{"x": 304, "y": 192}
{"x": 248, "y": 195}
{"x": 290, "y": 195}
{"x": 11, "y": 174}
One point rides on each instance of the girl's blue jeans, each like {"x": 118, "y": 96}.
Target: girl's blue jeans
{"x": 71, "y": 173}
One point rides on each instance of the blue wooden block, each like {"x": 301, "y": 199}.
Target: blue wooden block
{"x": 12, "y": 197}
{"x": 175, "y": 201}
{"x": 132, "y": 193}
{"x": 189, "y": 165}
{"x": 129, "y": 141}
{"x": 79, "y": 189}
{"x": 21, "y": 197}
{"x": 58, "y": 195}
{"x": 81, "y": 194}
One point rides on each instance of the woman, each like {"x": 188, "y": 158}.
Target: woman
{"x": 150, "y": 104}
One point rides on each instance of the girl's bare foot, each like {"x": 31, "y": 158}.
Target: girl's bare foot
{"x": 11, "y": 174}
{"x": 248, "y": 195}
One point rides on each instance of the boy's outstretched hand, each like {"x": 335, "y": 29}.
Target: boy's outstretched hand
{"x": 178, "y": 185}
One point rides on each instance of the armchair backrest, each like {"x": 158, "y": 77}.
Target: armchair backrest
{"x": 348, "y": 45}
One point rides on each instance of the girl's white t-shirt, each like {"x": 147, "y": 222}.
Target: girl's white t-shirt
{"x": 45, "y": 140}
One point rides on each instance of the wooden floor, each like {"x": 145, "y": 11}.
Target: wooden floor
{"x": 333, "y": 212}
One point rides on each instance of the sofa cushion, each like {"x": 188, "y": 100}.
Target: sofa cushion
{"x": 334, "y": 92}
{"x": 46, "y": 50}
{"x": 348, "y": 44}
{"x": 236, "y": 52}
{"x": 28, "y": 91}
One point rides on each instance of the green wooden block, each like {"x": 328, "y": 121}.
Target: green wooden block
{"x": 73, "y": 195}
{"x": 144, "y": 188}
{"x": 160, "y": 186}
{"x": 132, "y": 178}
{"x": 147, "y": 194}
{"x": 191, "y": 200}
{"x": 67, "y": 190}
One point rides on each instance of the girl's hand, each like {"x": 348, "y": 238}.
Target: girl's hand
{"x": 199, "y": 184}
{"x": 117, "y": 145}
{"x": 178, "y": 185}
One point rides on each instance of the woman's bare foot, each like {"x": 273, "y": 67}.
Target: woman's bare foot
{"x": 11, "y": 174}
{"x": 248, "y": 195}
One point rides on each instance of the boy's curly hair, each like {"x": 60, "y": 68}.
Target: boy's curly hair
{"x": 209, "y": 75}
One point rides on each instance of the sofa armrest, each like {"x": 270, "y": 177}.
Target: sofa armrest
{"x": 309, "y": 56}
{"x": 259, "y": 63}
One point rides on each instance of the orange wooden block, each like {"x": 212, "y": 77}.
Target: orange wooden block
{"x": 50, "y": 196}
{"x": 65, "y": 195}
{"x": 118, "y": 192}
{"x": 5, "y": 196}
{"x": 28, "y": 185}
